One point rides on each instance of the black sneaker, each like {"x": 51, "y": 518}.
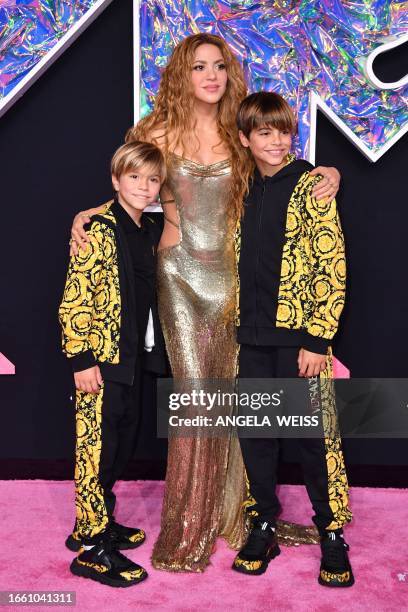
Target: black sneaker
{"x": 106, "y": 565}
{"x": 335, "y": 568}
{"x": 260, "y": 548}
{"x": 124, "y": 538}
{"x": 73, "y": 541}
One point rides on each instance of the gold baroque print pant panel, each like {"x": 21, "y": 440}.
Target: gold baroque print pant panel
{"x": 336, "y": 469}
{"x": 91, "y": 514}
{"x": 321, "y": 457}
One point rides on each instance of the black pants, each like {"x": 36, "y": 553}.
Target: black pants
{"x": 107, "y": 425}
{"x": 328, "y": 496}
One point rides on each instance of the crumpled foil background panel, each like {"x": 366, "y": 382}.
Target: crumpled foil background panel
{"x": 28, "y": 30}
{"x": 291, "y": 47}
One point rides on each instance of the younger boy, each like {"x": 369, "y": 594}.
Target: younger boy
{"x": 292, "y": 284}
{"x": 109, "y": 316}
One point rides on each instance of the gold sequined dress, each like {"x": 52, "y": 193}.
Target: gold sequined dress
{"x": 205, "y": 479}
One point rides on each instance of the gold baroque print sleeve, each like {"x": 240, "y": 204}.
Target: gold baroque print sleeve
{"x": 77, "y": 306}
{"x": 327, "y": 256}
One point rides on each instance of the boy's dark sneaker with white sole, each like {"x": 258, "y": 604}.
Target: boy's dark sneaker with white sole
{"x": 124, "y": 538}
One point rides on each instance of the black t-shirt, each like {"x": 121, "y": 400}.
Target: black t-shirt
{"x": 141, "y": 245}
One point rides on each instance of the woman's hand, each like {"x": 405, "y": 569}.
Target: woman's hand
{"x": 79, "y": 237}
{"x": 328, "y": 186}
{"x": 311, "y": 364}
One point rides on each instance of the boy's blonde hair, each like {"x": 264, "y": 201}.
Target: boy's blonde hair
{"x": 265, "y": 108}
{"x": 133, "y": 155}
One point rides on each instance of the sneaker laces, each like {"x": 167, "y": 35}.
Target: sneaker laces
{"x": 107, "y": 542}
{"x": 118, "y": 561}
{"x": 116, "y": 527}
{"x": 112, "y": 535}
{"x": 117, "y": 530}
{"x": 258, "y": 539}
{"x": 334, "y": 551}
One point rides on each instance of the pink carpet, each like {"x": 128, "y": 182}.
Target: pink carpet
{"x": 6, "y": 367}
{"x": 36, "y": 516}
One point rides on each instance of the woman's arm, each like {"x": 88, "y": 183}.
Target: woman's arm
{"x": 79, "y": 237}
{"x": 329, "y": 185}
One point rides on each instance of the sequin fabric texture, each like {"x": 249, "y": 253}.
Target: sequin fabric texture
{"x": 205, "y": 483}
{"x": 293, "y": 48}
{"x": 205, "y": 486}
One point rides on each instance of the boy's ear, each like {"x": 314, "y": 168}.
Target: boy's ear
{"x": 244, "y": 140}
{"x": 115, "y": 183}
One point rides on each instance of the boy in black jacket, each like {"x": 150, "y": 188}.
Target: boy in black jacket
{"x": 292, "y": 283}
{"x": 110, "y": 330}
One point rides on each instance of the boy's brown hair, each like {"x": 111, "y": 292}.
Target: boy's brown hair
{"x": 265, "y": 108}
{"x": 133, "y": 155}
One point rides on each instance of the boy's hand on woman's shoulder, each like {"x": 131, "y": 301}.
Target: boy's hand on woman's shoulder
{"x": 328, "y": 186}
{"x": 311, "y": 364}
{"x": 89, "y": 380}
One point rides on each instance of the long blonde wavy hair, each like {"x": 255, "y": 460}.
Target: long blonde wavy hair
{"x": 173, "y": 113}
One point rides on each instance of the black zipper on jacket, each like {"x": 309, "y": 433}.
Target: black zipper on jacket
{"x": 258, "y": 254}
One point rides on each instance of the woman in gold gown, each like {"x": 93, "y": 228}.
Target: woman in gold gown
{"x": 193, "y": 122}
{"x": 196, "y": 287}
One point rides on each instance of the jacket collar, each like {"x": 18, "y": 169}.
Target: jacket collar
{"x": 290, "y": 158}
{"x": 125, "y": 220}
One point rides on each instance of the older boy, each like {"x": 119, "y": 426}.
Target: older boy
{"x": 292, "y": 283}
{"x": 108, "y": 316}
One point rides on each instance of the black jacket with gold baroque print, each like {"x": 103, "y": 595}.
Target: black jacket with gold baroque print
{"x": 98, "y": 312}
{"x": 291, "y": 263}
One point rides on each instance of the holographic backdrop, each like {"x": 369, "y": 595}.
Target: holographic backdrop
{"x": 289, "y": 46}
{"x": 29, "y": 29}
{"x": 293, "y": 48}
